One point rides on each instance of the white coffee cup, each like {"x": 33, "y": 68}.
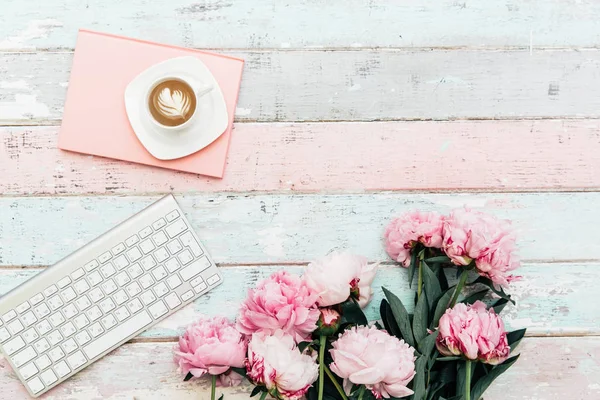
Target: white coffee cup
{"x": 198, "y": 91}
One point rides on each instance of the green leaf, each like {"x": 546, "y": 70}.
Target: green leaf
{"x": 450, "y": 358}
{"x": 412, "y": 267}
{"x": 514, "y": 338}
{"x": 427, "y": 344}
{"x": 438, "y": 259}
{"x": 221, "y": 397}
{"x": 438, "y": 270}
{"x": 499, "y": 305}
{"x": 241, "y": 371}
{"x": 388, "y": 319}
{"x": 188, "y": 377}
{"x": 420, "y": 319}
{"x": 485, "y": 381}
{"x": 431, "y": 285}
{"x": 475, "y": 296}
{"x": 257, "y": 390}
{"x": 303, "y": 345}
{"x": 351, "y": 313}
{"x": 401, "y": 317}
{"x": 419, "y": 379}
{"x": 441, "y": 307}
{"x": 488, "y": 282}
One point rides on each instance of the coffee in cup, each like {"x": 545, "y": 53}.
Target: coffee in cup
{"x": 172, "y": 102}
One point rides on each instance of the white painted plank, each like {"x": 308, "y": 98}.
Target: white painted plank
{"x": 351, "y": 85}
{"x": 552, "y": 299}
{"x": 307, "y": 24}
{"x": 294, "y": 228}
{"x": 549, "y": 369}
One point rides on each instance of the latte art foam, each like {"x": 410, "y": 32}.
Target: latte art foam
{"x": 172, "y": 102}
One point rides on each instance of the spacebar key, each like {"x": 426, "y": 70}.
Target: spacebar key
{"x": 115, "y": 336}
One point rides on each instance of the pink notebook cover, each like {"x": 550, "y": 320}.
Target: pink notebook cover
{"x": 95, "y": 121}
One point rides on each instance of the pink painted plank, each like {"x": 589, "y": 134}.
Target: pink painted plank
{"x": 522, "y": 155}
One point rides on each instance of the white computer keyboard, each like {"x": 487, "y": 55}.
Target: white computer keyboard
{"x": 105, "y": 293}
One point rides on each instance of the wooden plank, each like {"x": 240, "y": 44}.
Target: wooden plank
{"x": 351, "y": 85}
{"x": 242, "y": 229}
{"x": 546, "y": 305}
{"x": 549, "y": 369}
{"x": 550, "y": 155}
{"x": 307, "y": 24}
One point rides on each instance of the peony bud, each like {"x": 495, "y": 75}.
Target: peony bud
{"x": 329, "y": 322}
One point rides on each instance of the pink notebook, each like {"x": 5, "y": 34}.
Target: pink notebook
{"x": 95, "y": 121}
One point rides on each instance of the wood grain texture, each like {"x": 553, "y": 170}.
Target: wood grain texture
{"x": 545, "y": 305}
{"x": 356, "y": 86}
{"x": 242, "y": 228}
{"x": 313, "y": 157}
{"x": 549, "y": 369}
{"x": 307, "y": 24}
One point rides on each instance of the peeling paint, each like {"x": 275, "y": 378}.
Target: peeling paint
{"x": 36, "y": 29}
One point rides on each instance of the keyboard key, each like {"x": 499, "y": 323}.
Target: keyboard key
{"x": 36, "y": 299}
{"x": 146, "y": 281}
{"x": 30, "y": 335}
{"x": 91, "y": 265}
{"x": 42, "y": 310}
{"x": 69, "y": 346}
{"x": 213, "y": 279}
{"x": 54, "y": 337}
{"x": 13, "y": 345}
{"x": 108, "y": 322}
{"x": 78, "y": 273}
{"x": 76, "y": 360}
{"x": 42, "y": 345}
{"x": 172, "y": 300}
{"x": 21, "y": 308}
{"x": 82, "y": 338}
{"x": 133, "y": 289}
{"x": 56, "y": 354}
{"x": 15, "y": 327}
{"x": 174, "y": 281}
{"x": 50, "y": 290}
{"x": 196, "y": 281}
{"x": 148, "y": 297}
{"x": 201, "y": 287}
{"x": 148, "y": 263}
{"x": 145, "y": 232}
{"x": 161, "y": 289}
{"x": 134, "y": 254}
{"x": 108, "y": 270}
{"x": 174, "y": 246}
{"x": 107, "y": 305}
{"x": 122, "y": 314}
{"x": 35, "y": 385}
{"x": 161, "y": 254}
{"x": 122, "y": 278}
{"x": 172, "y": 216}
{"x": 120, "y": 297}
{"x": 68, "y": 329}
{"x": 120, "y": 262}
{"x": 81, "y": 287}
{"x": 24, "y": 356}
{"x": 96, "y": 295}
{"x": 172, "y": 265}
{"x": 157, "y": 309}
{"x": 187, "y": 295}
{"x": 104, "y": 257}
{"x": 126, "y": 329}
{"x": 70, "y": 311}
{"x": 160, "y": 238}
{"x": 94, "y": 313}
{"x": 83, "y": 303}
{"x": 62, "y": 369}
{"x": 55, "y": 303}
{"x": 118, "y": 249}
{"x": 4, "y": 335}
{"x": 56, "y": 319}
{"x": 159, "y": 273}
{"x": 188, "y": 240}
{"x": 28, "y": 318}
{"x": 68, "y": 294}
{"x": 193, "y": 269}
{"x": 109, "y": 286}
{"x": 64, "y": 282}
{"x": 147, "y": 246}
{"x": 48, "y": 377}
{"x": 185, "y": 257}
{"x": 28, "y": 371}
{"x": 94, "y": 278}
{"x": 132, "y": 240}
{"x": 9, "y": 315}
{"x": 135, "y": 270}
{"x": 96, "y": 329}
{"x": 43, "y": 327}
{"x": 176, "y": 228}
{"x": 134, "y": 306}
{"x": 159, "y": 224}
{"x": 43, "y": 362}
{"x": 81, "y": 321}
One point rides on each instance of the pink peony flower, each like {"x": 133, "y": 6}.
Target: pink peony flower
{"x": 472, "y": 235}
{"x": 210, "y": 346}
{"x": 282, "y": 301}
{"x": 329, "y": 321}
{"x": 474, "y": 332}
{"x": 371, "y": 357}
{"x": 340, "y": 275}
{"x": 275, "y": 362}
{"x": 403, "y": 234}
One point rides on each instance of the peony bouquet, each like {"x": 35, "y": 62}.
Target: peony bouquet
{"x": 306, "y": 336}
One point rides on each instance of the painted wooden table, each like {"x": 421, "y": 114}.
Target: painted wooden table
{"x": 350, "y": 111}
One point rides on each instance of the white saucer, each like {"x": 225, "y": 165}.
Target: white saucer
{"x": 211, "y": 110}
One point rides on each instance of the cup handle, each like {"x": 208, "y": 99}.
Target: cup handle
{"x": 204, "y": 90}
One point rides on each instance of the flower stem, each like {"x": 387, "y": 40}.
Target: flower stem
{"x": 420, "y": 273}
{"x": 468, "y": 380}
{"x": 459, "y": 286}
{"x": 322, "y": 342}
{"x": 263, "y": 396}
{"x": 361, "y": 392}
{"x": 213, "y": 387}
{"x": 335, "y": 383}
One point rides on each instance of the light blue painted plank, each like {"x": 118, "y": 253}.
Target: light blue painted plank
{"x": 306, "y": 24}
{"x": 240, "y": 229}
